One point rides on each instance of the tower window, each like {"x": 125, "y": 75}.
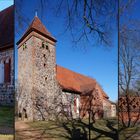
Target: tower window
{"x": 24, "y": 46}
{"x": 46, "y": 79}
{"x": 44, "y": 64}
{"x": 43, "y": 45}
{"x": 47, "y": 47}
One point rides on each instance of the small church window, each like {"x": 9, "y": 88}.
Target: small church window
{"x": 47, "y": 47}
{"x": 43, "y": 45}
{"x": 44, "y": 55}
{"x": 24, "y": 46}
{"x": 44, "y": 64}
{"x": 46, "y": 79}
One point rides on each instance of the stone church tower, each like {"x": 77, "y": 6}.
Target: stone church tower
{"x": 37, "y": 86}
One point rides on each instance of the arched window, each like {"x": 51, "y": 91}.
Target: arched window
{"x": 1, "y": 72}
{"x": 7, "y": 71}
{"x": 77, "y": 104}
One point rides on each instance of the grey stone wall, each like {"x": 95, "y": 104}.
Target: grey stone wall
{"x": 38, "y": 91}
{"x": 7, "y": 89}
{"x": 68, "y": 104}
{"x": 46, "y": 90}
{"x": 25, "y": 79}
{"x": 109, "y": 109}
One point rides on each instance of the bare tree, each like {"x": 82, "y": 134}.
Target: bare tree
{"x": 85, "y": 20}
{"x": 128, "y": 67}
{"x": 129, "y": 56}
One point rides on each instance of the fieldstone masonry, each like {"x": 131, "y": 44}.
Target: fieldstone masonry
{"x": 109, "y": 109}
{"x": 69, "y": 104}
{"x": 7, "y": 89}
{"x": 37, "y": 78}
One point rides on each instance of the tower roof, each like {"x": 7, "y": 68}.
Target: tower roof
{"x": 38, "y": 27}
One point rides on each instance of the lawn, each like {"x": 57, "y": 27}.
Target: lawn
{"x": 6, "y": 137}
{"x": 6, "y": 116}
{"x": 6, "y": 123}
{"x": 72, "y": 130}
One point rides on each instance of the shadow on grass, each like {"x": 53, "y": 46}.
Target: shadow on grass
{"x": 82, "y": 133}
{"x": 75, "y": 132}
{"x": 69, "y": 130}
{"x": 129, "y": 133}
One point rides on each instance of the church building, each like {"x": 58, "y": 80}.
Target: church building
{"x": 7, "y": 56}
{"x": 46, "y": 89}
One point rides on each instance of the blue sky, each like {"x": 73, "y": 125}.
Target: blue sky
{"x": 5, "y": 3}
{"x": 96, "y": 62}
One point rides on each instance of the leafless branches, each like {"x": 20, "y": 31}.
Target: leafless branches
{"x": 129, "y": 70}
{"x": 86, "y": 20}
{"x": 129, "y": 58}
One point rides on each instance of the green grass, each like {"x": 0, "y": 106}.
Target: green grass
{"x": 6, "y": 116}
{"x": 6, "y": 122}
{"x": 73, "y": 129}
{"x": 6, "y": 137}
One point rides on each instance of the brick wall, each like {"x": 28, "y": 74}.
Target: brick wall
{"x": 93, "y": 102}
{"x": 129, "y": 104}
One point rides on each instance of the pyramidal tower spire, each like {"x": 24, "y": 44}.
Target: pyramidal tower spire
{"x": 38, "y": 27}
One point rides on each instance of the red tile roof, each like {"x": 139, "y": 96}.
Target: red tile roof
{"x": 37, "y": 26}
{"x": 7, "y": 27}
{"x": 72, "y": 81}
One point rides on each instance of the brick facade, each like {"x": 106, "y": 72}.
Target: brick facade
{"x": 129, "y": 107}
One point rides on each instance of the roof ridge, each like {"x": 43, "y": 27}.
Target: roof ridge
{"x": 97, "y": 83}
{"x": 7, "y": 8}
